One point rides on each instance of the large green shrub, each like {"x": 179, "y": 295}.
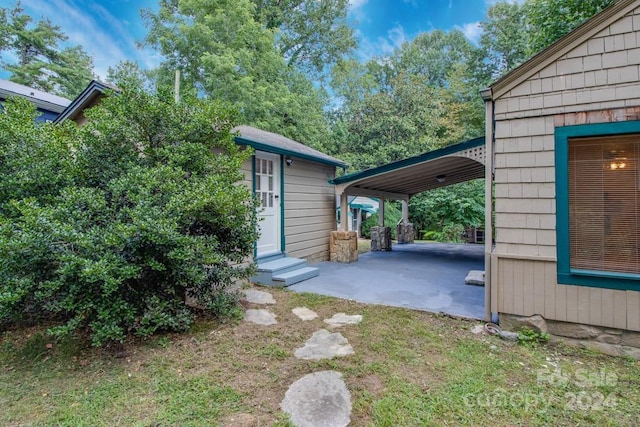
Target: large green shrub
{"x": 112, "y": 226}
{"x": 443, "y": 214}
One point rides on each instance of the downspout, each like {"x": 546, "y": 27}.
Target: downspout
{"x": 487, "y": 96}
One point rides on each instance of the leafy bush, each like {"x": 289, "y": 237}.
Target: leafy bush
{"x": 112, "y": 226}
{"x": 392, "y": 215}
{"x": 449, "y": 233}
{"x": 528, "y": 336}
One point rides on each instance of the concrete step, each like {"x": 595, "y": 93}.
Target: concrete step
{"x": 281, "y": 265}
{"x": 295, "y": 276}
{"x": 272, "y": 267}
{"x": 268, "y": 258}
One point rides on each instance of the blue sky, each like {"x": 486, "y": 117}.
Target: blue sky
{"x": 109, "y": 29}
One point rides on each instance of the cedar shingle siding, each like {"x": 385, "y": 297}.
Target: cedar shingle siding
{"x": 596, "y": 81}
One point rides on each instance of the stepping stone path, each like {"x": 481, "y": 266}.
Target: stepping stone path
{"x": 341, "y": 319}
{"x": 304, "y": 313}
{"x": 318, "y": 399}
{"x": 255, "y": 296}
{"x": 260, "y": 317}
{"x": 324, "y": 345}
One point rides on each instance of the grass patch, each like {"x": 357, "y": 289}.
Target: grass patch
{"x": 364, "y": 246}
{"x": 409, "y": 368}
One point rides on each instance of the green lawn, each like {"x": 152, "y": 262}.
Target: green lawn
{"x": 410, "y": 368}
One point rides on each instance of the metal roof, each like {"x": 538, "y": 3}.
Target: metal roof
{"x": 42, "y": 100}
{"x": 434, "y": 169}
{"x": 274, "y": 143}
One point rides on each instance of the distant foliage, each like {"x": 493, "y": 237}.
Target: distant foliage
{"x": 444, "y": 214}
{"x": 112, "y": 226}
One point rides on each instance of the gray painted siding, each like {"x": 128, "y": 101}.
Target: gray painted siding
{"x": 597, "y": 81}
{"x": 309, "y": 209}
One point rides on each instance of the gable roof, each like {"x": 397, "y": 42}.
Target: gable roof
{"x": 274, "y": 143}
{"x": 42, "y": 100}
{"x": 94, "y": 90}
{"x": 562, "y": 46}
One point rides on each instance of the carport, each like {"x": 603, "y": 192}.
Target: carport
{"x": 435, "y": 169}
{"x": 398, "y": 278}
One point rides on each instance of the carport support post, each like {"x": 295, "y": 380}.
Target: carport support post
{"x": 404, "y": 230}
{"x": 405, "y": 211}
{"x": 380, "y": 235}
{"x": 343, "y": 244}
{"x": 344, "y": 212}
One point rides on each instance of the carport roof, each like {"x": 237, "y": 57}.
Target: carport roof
{"x": 404, "y": 178}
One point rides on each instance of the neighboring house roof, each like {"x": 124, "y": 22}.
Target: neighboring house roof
{"x": 274, "y": 143}
{"x": 367, "y": 204}
{"x": 565, "y": 44}
{"x": 86, "y": 99}
{"x": 50, "y": 105}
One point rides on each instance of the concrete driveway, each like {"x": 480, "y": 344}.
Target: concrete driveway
{"x": 423, "y": 276}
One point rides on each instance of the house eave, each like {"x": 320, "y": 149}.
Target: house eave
{"x": 283, "y": 151}
{"x": 94, "y": 89}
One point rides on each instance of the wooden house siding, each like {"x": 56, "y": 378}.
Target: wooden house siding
{"x": 596, "y": 81}
{"x": 309, "y": 209}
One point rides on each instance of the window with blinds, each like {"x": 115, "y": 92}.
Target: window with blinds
{"x": 604, "y": 203}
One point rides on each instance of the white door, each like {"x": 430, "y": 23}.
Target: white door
{"x": 267, "y": 176}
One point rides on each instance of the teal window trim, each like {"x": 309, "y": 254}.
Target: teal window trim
{"x": 253, "y": 192}
{"x": 283, "y": 241}
{"x": 567, "y": 275}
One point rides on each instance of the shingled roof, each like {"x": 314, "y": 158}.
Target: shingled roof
{"x": 278, "y": 144}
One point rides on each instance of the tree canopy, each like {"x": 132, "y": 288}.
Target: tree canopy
{"x": 225, "y": 53}
{"x": 42, "y": 62}
{"x": 514, "y": 31}
{"x": 312, "y": 35}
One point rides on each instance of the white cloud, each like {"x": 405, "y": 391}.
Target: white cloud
{"x": 357, "y": 4}
{"x": 88, "y": 24}
{"x": 356, "y": 10}
{"x": 472, "y": 31}
{"x": 382, "y": 46}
